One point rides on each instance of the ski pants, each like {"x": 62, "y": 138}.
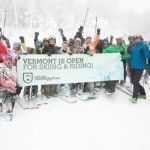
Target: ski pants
{"x": 9, "y": 99}
{"x": 125, "y": 71}
{"x": 47, "y": 90}
{"x": 34, "y": 91}
{"x": 135, "y": 78}
{"x": 110, "y": 85}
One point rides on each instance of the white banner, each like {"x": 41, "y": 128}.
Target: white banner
{"x": 76, "y": 68}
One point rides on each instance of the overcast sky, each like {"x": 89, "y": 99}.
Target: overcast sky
{"x": 136, "y": 5}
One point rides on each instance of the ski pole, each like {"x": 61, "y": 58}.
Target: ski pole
{"x": 95, "y": 26}
{"x": 4, "y": 22}
{"x": 85, "y": 16}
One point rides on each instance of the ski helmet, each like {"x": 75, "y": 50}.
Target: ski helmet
{"x": 131, "y": 37}
{"x": 138, "y": 36}
{"x": 17, "y": 45}
{"x": 45, "y": 39}
{"x": 105, "y": 41}
{"x": 52, "y": 38}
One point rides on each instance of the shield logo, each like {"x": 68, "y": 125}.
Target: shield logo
{"x": 27, "y": 77}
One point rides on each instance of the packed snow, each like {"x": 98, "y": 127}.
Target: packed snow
{"x": 110, "y": 122}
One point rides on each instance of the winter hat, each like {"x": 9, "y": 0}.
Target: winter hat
{"x": 65, "y": 43}
{"x": 88, "y": 37}
{"x": 8, "y": 56}
{"x": 131, "y": 37}
{"x": 119, "y": 38}
{"x": 105, "y": 41}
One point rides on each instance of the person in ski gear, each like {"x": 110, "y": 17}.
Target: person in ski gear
{"x": 131, "y": 44}
{"x": 122, "y": 48}
{"x": 78, "y": 49}
{"x": 139, "y": 53}
{"x": 39, "y": 47}
{"x": 129, "y": 48}
{"x": 107, "y": 48}
{"x": 8, "y": 79}
{"x": 50, "y": 90}
{"x": 30, "y": 92}
{"x": 64, "y": 90}
{"x": 16, "y": 52}
{"x": 98, "y": 46}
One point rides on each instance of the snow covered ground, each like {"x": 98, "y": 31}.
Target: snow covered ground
{"x": 111, "y": 122}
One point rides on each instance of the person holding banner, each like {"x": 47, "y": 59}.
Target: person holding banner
{"x": 50, "y": 90}
{"x": 77, "y": 88}
{"x": 30, "y": 96}
{"x": 64, "y": 90}
{"x": 109, "y": 85}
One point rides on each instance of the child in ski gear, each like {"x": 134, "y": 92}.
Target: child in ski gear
{"x": 8, "y": 79}
{"x": 139, "y": 53}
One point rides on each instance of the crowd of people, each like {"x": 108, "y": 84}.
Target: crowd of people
{"x": 135, "y": 58}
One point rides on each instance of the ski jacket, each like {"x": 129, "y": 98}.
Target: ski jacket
{"x": 109, "y": 49}
{"x": 51, "y": 48}
{"x": 3, "y": 49}
{"x": 123, "y": 48}
{"x": 139, "y": 54}
{"x": 92, "y": 45}
{"x": 78, "y": 49}
{"x": 8, "y": 78}
{"x": 15, "y": 54}
{"x": 130, "y": 46}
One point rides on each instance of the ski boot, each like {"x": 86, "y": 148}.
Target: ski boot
{"x": 9, "y": 116}
{"x": 1, "y": 109}
{"x": 142, "y": 96}
{"x": 133, "y": 100}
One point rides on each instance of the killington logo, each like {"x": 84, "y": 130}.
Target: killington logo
{"x": 27, "y": 77}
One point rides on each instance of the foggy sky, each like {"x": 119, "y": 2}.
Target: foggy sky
{"x": 117, "y": 17}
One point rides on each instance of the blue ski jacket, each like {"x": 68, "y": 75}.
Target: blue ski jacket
{"x": 139, "y": 54}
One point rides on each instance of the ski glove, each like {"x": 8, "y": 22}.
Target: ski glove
{"x": 141, "y": 51}
{"x": 61, "y": 31}
{"x": 36, "y": 34}
{"x": 49, "y": 53}
{"x": 17, "y": 57}
{"x": 90, "y": 54}
{"x": 122, "y": 52}
{"x": 70, "y": 53}
{"x": 98, "y": 31}
{"x": 22, "y": 39}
